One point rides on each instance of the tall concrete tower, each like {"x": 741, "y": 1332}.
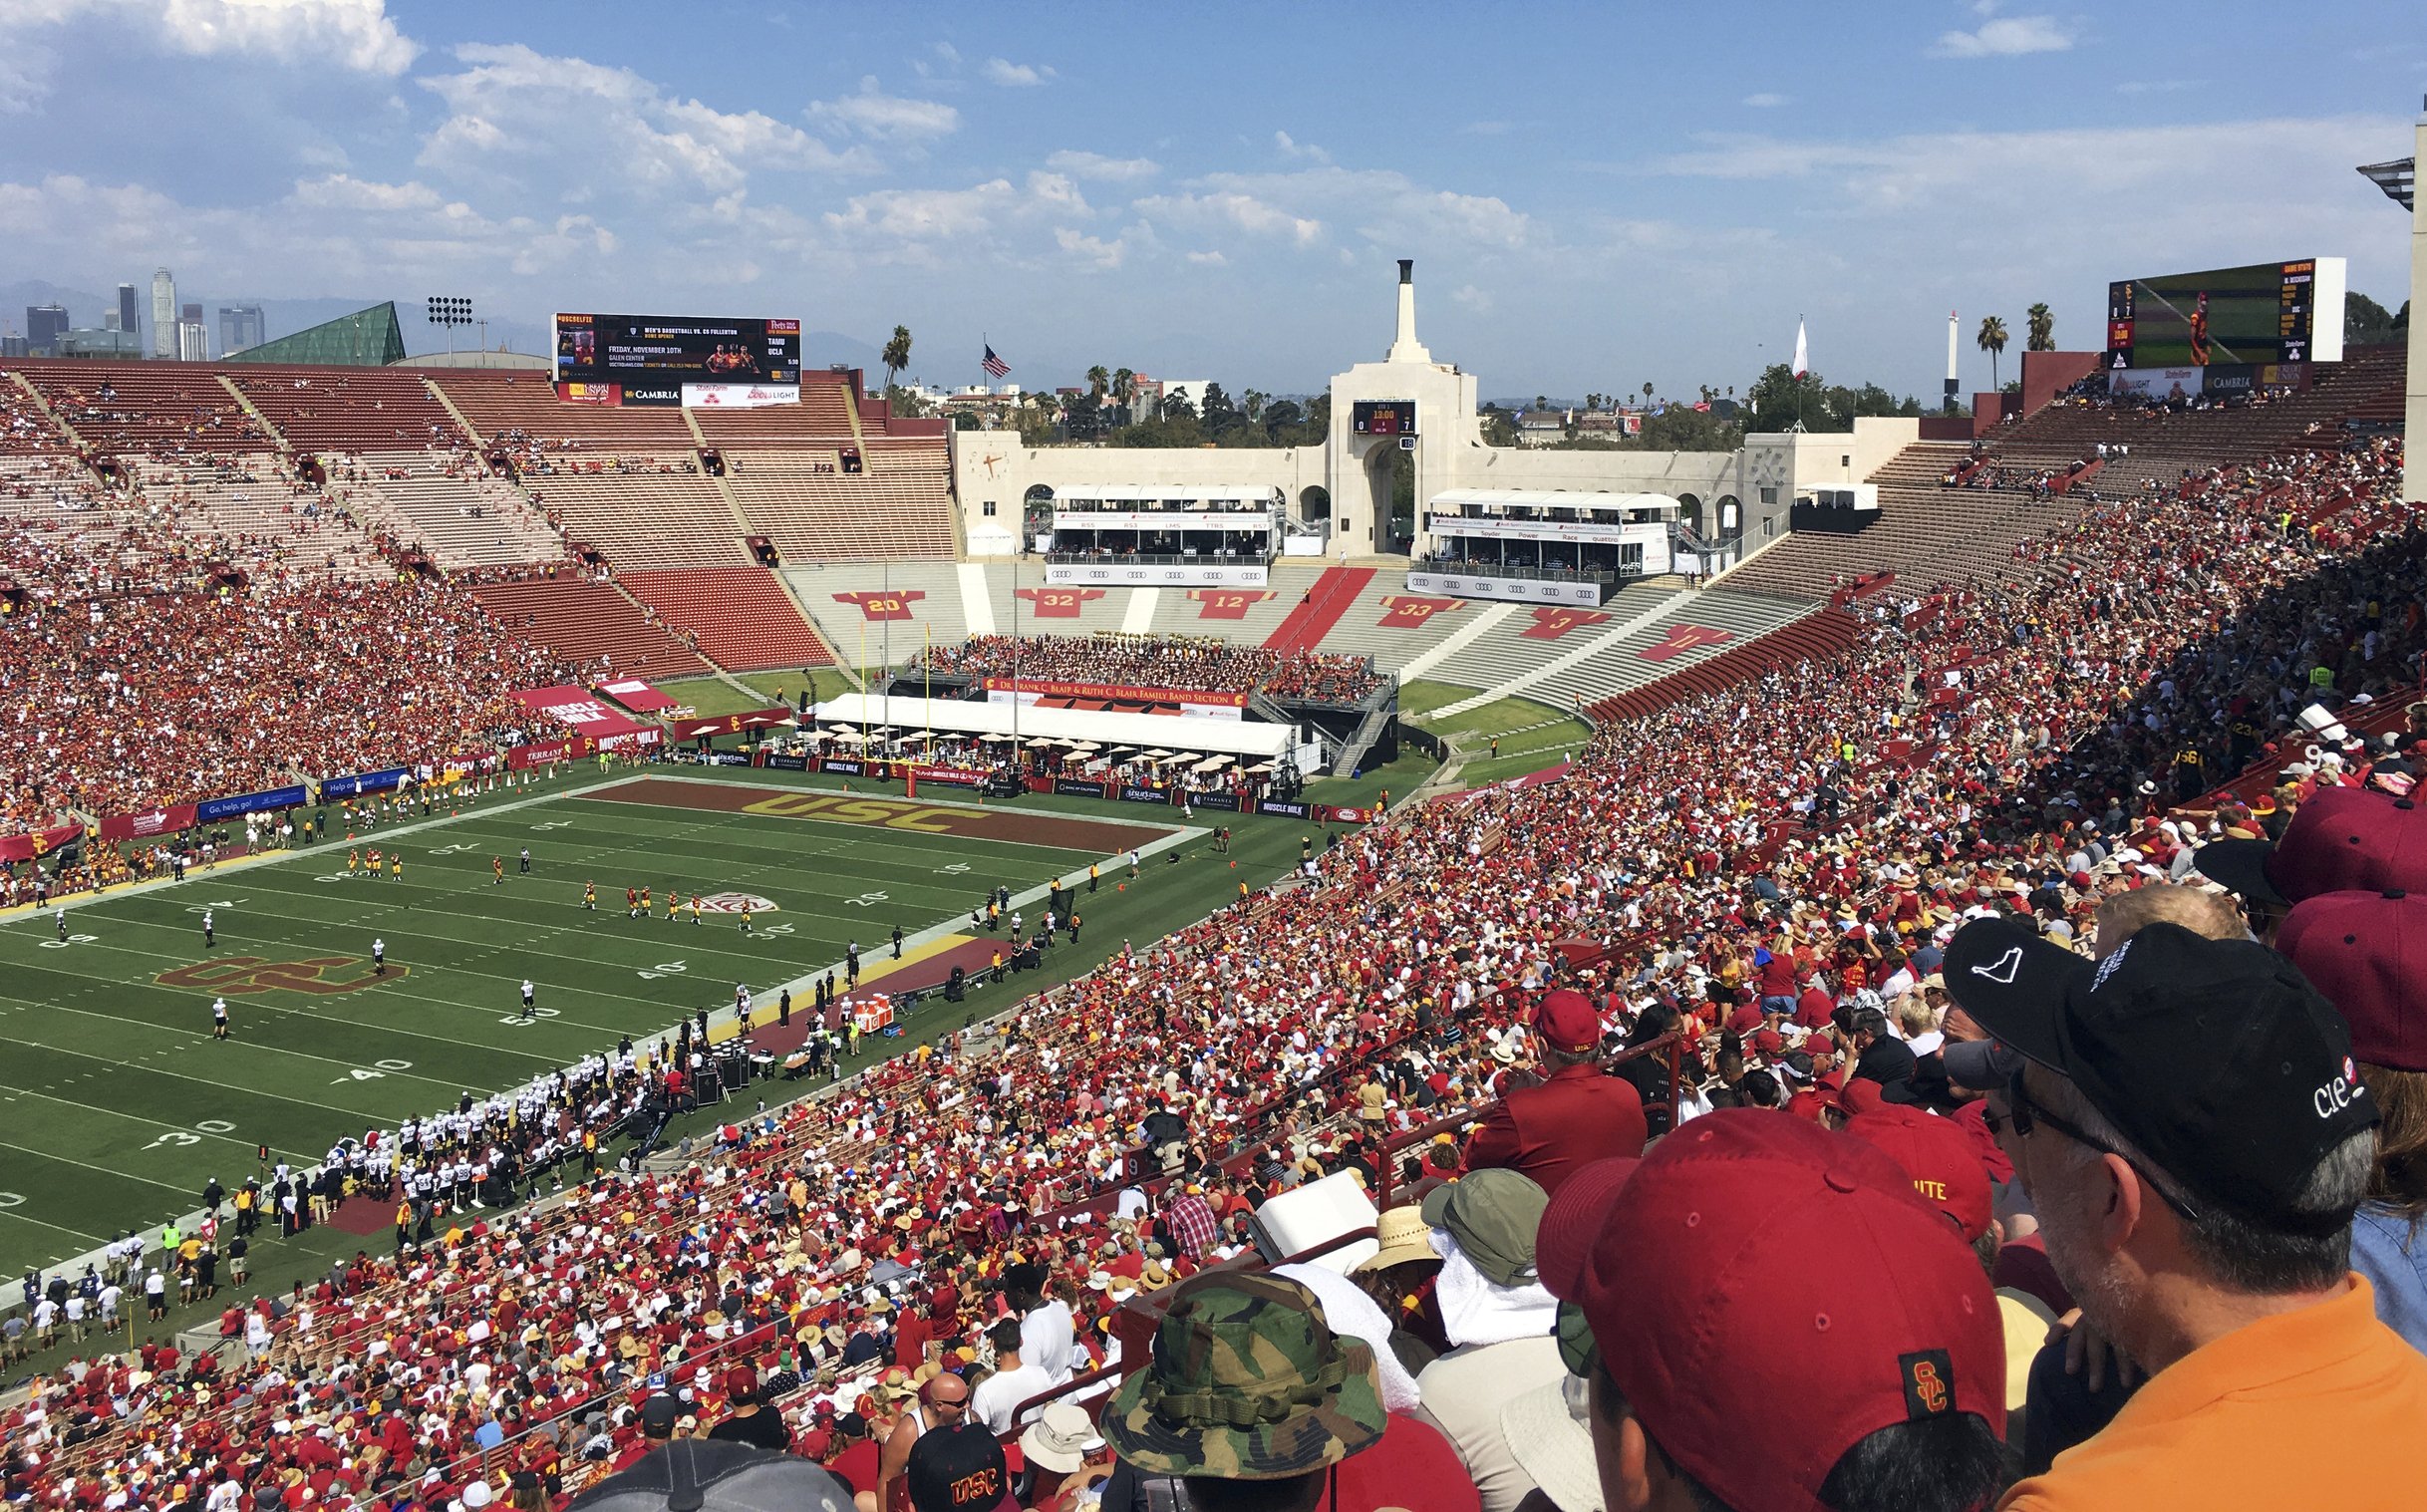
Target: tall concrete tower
{"x": 1403, "y": 345}
{"x": 164, "y": 315}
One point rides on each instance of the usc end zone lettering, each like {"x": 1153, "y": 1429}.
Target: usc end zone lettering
{"x": 1551, "y": 622}
{"x": 1057, "y": 603}
{"x": 884, "y": 606}
{"x": 1227, "y": 603}
{"x": 1402, "y": 612}
{"x": 890, "y": 814}
{"x": 1684, "y": 638}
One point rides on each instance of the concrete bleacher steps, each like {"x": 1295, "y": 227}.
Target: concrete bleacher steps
{"x": 585, "y": 621}
{"x": 431, "y": 508}
{"x": 254, "y": 509}
{"x": 158, "y": 409}
{"x": 1690, "y": 629}
{"x": 652, "y": 514}
{"x": 1320, "y": 609}
{"x": 899, "y": 507}
{"x": 349, "y": 409}
{"x": 1522, "y": 643}
{"x": 740, "y": 616}
{"x": 1826, "y": 632}
{"x": 500, "y": 405}
{"x": 892, "y": 609}
{"x": 1392, "y": 626}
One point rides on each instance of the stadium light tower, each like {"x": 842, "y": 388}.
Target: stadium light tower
{"x": 450, "y": 310}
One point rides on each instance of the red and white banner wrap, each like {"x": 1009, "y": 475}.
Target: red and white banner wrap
{"x": 634, "y": 695}
{"x": 144, "y": 826}
{"x": 549, "y": 754}
{"x": 577, "y": 708}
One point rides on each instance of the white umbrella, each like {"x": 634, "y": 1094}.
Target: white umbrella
{"x": 1216, "y": 764}
{"x": 1153, "y": 750}
{"x": 1043, "y": 740}
{"x": 1085, "y": 746}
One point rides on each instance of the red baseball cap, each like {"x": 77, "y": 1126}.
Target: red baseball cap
{"x": 2367, "y": 953}
{"x": 741, "y": 1382}
{"x": 1572, "y": 1224}
{"x": 1739, "y": 1291}
{"x": 2342, "y": 839}
{"x": 1567, "y": 1020}
{"x": 1939, "y": 1156}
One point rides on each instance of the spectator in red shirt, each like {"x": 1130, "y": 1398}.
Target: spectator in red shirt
{"x": 1575, "y": 1117}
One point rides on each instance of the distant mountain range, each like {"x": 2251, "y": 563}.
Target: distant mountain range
{"x": 284, "y": 317}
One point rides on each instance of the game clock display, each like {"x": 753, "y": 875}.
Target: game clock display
{"x": 1383, "y": 417}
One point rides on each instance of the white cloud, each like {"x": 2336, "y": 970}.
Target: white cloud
{"x": 1097, "y": 167}
{"x": 2006, "y": 37}
{"x": 355, "y": 35}
{"x": 990, "y": 220}
{"x": 1094, "y": 251}
{"x": 1208, "y": 259}
{"x": 1290, "y": 147}
{"x": 572, "y": 128}
{"x": 1015, "y": 76}
{"x": 1470, "y": 297}
{"x": 1232, "y": 208}
{"x": 342, "y": 191}
{"x": 887, "y": 117}
{"x": 1766, "y": 100}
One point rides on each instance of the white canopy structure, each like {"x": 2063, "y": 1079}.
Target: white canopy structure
{"x": 1236, "y": 738}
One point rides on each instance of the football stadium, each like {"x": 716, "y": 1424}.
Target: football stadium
{"x": 662, "y": 919}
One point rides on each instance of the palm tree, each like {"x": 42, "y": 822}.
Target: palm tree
{"x": 1992, "y": 341}
{"x": 1542, "y": 401}
{"x": 1591, "y": 401}
{"x": 2043, "y": 328}
{"x": 1097, "y": 381}
{"x": 1251, "y": 404}
{"x": 1124, "y": 390}
{"x": 896, "y": 354}
{"x": 1647, "y": 390}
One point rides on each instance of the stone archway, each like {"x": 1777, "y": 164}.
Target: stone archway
{"x": 1315, "y": 505}
{"x": 1689, "y": 514}
{"x": 1730, "y": 516}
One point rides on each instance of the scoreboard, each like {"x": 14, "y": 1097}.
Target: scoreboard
{"x": 2261, "y": 313}
{"x": 703, "y": 360}
{"x": 1383, "y": 417}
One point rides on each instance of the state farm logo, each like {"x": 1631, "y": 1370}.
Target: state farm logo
{"x": 242, "y": 976}
{"x": 734, "y": 902}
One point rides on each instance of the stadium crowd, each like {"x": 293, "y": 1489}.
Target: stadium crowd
{"x": 1788, "y": 873}
{"x": 1180, "y": 662}
{"x": 126, "y": 701}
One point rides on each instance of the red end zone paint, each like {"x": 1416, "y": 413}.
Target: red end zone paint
{"x": 1060, "y": 832}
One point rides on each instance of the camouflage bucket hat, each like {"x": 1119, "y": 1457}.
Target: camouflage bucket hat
{"x": 1247, "y": 1383}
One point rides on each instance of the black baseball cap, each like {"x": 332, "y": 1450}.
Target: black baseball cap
{"x": 959, "y": 1468}
{"x": 658, "y": 1415}
{"x": 2216, "y": 1058}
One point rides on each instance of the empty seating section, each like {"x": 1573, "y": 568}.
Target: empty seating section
{"x": 245, "y": 510}
{"x": 1372, "y": 627}
{"x": 1824, "y": 633}
{"x": 508, "y": 408}
{"x": 898, "y": 507}
{"x": 587, "y": 620}
{"x": 323, "y": 410}
{"x": 1506, "y": 651}
{"x": 740, "y": 616}
{"x": 136, "y": 408}
{"x": 638, "y": 511}
{"x": 1928, "y": 537}
{"x": 1690, "y": 630}
{"x": 1239, "y": 614}
{"x": 449, "y": 505}
{"x": 824, "y": 415}
{"x": 928, "y": 594}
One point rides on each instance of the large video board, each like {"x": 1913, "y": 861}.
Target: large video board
{"x": 695, "y": 360}
{"x": 2269, "y": 312}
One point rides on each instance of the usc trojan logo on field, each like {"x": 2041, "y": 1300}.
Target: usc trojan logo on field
{"x": 1684, "y": 638}
{"x": 1057, "y": 603}
{"x": 1227, "y": 603}
{"x": 242, "y": 976}
{"x": 1552, "y": 621}
{"x": 1403, "y": 612}
{"x": 880, "y": 607}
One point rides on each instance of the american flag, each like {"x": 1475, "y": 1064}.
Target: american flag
{"x": 995, "y": 366}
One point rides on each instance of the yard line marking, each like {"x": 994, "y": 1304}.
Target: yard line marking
{"x": 22, "y": 1216}
{"x": 175, "y": 1128}
{"x": 90, "y": 1167}
{"x": 195, "y": 1034}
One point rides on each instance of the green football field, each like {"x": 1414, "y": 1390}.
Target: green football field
{"x": 117, "y": 1104}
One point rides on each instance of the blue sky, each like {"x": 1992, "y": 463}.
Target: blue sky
{"x": 1596, "y": 195}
